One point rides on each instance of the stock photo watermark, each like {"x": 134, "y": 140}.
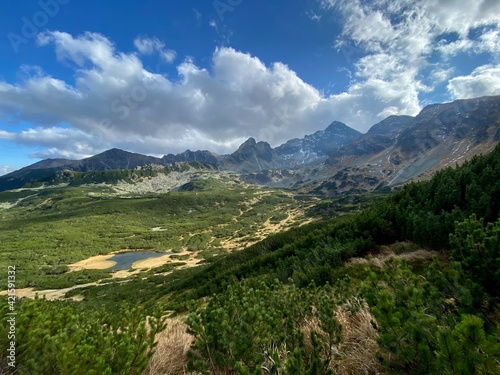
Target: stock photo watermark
{"x": 121, "y": 106}
{"x": 31, "y": 26}
{"x": 222, "y": 7}
{"x": 11, "y": 316}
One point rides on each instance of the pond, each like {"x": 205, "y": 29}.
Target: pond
{"x": 125, "y": 260}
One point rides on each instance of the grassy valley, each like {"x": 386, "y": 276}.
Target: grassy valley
{"x": 44, "y": 231}
{"x": 403, "y": 284}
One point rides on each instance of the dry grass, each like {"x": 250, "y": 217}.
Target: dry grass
{"x": 170, "y": 355}
{"x": 359, "y": 340}
{"x": 399, "y": 250}
{"x": 356, "y": 353}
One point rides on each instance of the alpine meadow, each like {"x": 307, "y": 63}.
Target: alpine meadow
{"x": 255, "y": 188}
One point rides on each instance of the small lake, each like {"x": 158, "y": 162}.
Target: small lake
{"x": 125, "y": 260}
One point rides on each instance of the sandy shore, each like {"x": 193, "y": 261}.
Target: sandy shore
{"x": 103, "y": 262}
{"x": 151, "y": 262}
{"x": 49, "y": 294}
{"x": 99, "y": 262}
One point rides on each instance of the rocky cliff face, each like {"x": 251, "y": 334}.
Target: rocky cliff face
{"x": 251, "y": 156}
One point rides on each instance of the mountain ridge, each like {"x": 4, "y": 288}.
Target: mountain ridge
{"x": 439, "y": 136}
{"x": 394, "y": 150}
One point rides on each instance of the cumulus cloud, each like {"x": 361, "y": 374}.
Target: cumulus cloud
{"x": 399, "y": 39}
{"x": 115, "y": 101}
{"x": 484, "y": 80}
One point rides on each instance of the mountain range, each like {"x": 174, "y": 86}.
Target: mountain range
{"x": 337, "y": 160}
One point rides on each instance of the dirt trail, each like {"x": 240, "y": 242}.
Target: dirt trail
{"x": 54, "y": 294}
{"x": 267, "y": 228}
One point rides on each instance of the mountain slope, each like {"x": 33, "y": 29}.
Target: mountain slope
{"x": 203, "y": 156}
{"x": 50, "y": 163}
{"x": 401, "y": 148}
{"x": 251, "y": 156}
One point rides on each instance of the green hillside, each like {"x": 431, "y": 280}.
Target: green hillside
{"x": 407, "y": 286}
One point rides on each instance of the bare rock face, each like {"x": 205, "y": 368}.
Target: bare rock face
{"x": 401, "y": 148}
{"x": 297, "y": 152}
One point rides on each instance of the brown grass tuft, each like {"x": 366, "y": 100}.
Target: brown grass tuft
{"x": 170, "y": 355}
{"x": 399, "y": 250}
{"x": 359, "y": 340}
{"x": 356, "y": 353}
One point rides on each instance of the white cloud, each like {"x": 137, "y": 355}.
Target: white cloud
{"x": 396, "y": 40}
{"x": 198, "y": 16}
{"x": 168, "y": 55}
{"x": 490, "y": 42}
{"x": 441, "y": 74}
{"x": 484, "y": 80}
{"x": 54, "y": 141}
{"x": 454, "y": 48}
{"x": 116, "y": 102}
{"x": 313, "y": 16}
{"x": 147, "y": 46}
{"x": 4, "y": 169}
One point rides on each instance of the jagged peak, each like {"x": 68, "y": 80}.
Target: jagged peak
{"x": 249, "y": 142}
{"x": 337, "y": 125}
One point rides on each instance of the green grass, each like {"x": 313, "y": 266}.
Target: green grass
{"x": 51, "y": 228}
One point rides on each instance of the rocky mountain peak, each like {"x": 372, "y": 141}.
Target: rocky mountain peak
{"x": 249, "y": 143}
{"x": 252, "y": 149}
{"x": 317, "y": 146}
{"x": 337, "y": 126}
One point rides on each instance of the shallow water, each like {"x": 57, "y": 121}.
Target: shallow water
{"x": 125, "y": 260}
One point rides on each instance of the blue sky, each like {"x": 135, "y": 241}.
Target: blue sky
{"x": 155, "y": 77}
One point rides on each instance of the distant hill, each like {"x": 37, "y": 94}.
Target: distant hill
{"x": 113, "y": 159}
